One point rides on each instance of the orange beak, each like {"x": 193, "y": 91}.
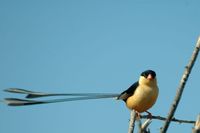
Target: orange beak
{"x": 150, "y": 77}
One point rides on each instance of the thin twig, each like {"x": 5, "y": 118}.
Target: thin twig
{"x": 139, "y": 126}
{"x": 145, "y": 125}
{"x": 132, "y": 122}
{"x": 142, "y": 128}
{"x": 196, "y": 128}
{"x": 173, "y": 119}
{"x": 180, "y": 89}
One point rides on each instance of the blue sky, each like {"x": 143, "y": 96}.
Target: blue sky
{"x": 95, "y": 46}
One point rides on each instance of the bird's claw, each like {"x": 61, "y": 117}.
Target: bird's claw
{"x": 138, "y": 115}
{"x": 149, "y": 116}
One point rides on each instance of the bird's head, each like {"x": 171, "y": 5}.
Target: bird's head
{"x": 148, "y": 77}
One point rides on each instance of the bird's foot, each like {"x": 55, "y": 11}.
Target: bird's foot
{"x": 138, "y": 116}
{"x": 149, "y": 116}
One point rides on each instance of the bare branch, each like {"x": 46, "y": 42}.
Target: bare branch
{"x": 142, "y": 128}
{"x": 180, "y": 89}
{"x": 132, "y": 122}
{"x": 173, "y": 119}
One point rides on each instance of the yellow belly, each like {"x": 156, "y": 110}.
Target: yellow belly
{"x": 142, "y": 99}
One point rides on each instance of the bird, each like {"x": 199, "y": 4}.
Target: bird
{"x": 143, "y": 94}
{"x": 140, "y": 96}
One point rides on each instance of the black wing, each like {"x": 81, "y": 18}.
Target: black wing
{"x": 127, "y": 93}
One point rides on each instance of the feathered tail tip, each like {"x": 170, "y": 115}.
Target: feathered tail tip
{"x": 29, "y": 94}
{"x": 20, "y": 102}
{"x": 18, "y": 90}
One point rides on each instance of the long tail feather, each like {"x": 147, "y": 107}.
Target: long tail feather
{"x": 23, "y": 102}
{"x": 20, "y": 102}
{"x": 27, "y": 92}
{"x": 32, "y": 94}
{"x": 21, "y": 91}
{"x": 71, "y": 94}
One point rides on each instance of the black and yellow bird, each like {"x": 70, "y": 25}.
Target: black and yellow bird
{"x": 139, "y": 97}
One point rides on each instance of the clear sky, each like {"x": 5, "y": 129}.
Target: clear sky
{"x": 95, "y": 46}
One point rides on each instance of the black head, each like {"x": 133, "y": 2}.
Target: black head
{"x": 147, "y": 73}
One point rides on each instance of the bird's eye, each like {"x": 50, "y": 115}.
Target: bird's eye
{"x": 144, "y": 74}
{"x": 147, "y": 72}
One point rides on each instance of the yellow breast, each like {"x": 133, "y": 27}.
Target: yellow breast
{"x": 143, "y": 98}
